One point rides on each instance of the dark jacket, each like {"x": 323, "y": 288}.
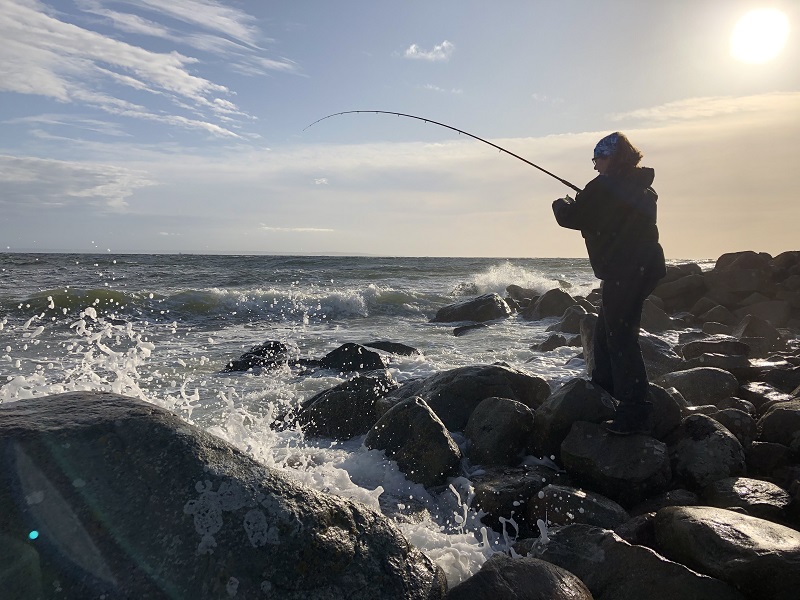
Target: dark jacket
{"x": 617, "y": 217}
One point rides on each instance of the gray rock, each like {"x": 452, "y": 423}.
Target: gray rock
{"x": 347, "y": 410}
{"x": 701, "y": 385}
{"x": 454, "y": 394}
{"x": 762, "y": 395}
{"x": 715, "y": 345}
{"x": 667, "y": 407}
{"x": 132, "y": 502}
{"x": 352, "y": 357}
{"x": 719, "y": 314}
{"x": 760, "y": 558}
{"x": 767, "y": 459}
{"x": 614, "y": 569}
{"x": 270, "y": 354}
{"x": 775, "y": 312}
{"x": 576, "y": 400}
{"x": 553, "y": 341}
{"x": 759, "y": 498}
{"x": 753, "y": 328}
{"x": 523, "y": 578}
{"x": 682, "y": 293}
{"x": 677, "y": 497}
{"x": 702, "y": 451}
{"x": 483, "y": 308}
{"x": 739, "y": 423}
{"x": 738, "y": 404}
{"x": 570, "y": 321}
{"x": 781, "y": 424}
{"x": 654, "y": 319}
{"x": 735, "y": 280}
{"x": 627, "y": 469}
{"x": 786, "y": 379}
{"x": 500, "y": 430}
{"x": 411, "y": 434}
{"x": 552, "y": 303}
{"x": 563, "y": 505}
{"x": 394, "y": 348}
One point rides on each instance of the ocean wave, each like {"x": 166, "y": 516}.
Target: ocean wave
{"x": 498, "y": 277}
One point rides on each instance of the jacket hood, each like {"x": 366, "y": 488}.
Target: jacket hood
{"x": 643, "y": 176}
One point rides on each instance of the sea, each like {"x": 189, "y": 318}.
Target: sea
{"x": 163, "y": 327}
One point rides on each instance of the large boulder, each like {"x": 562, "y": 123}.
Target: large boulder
{"x": 454, "y": 394}
{"x": 500, "y": 431}
{"x": 562, "y": 504}
{"x": 781, "y": 424}
{"x": 571, "y": 320}
{"x": 483, "y": 308}
{"x": 129, "y": 501}
{"x": 701, "y": 385}
{"x": 351, "y": 357}
{"x": 627, "y": 469}
{"x": 269, "y": 355}
{"x": 722, "y": 344}
{"x": 702, "y": 451}
{"x": 553, "y": 303}
{"x": 682, "y": 293}
{"x": 759, "y": 498}
{"x": 760, "y": 558}
{"x": 347, "y": 410}
{"x": 411, "y": 434}
{"x": 612, "y": 568}
{"x": 576, "y": 400}
{"x": 522, "y": 578}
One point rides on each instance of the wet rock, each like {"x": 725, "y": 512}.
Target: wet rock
{"x": 562, "y": 505}
{"x": 739, "y": 423}
{"x": 753, "y": 328}
{"x": 352, "y": 357}
{"x": 521, "y": 294}
{"x": 781, "y": 424}
{"x": 759, "y": 498}
{"x": 552, "y": 303}
{"x": 268, "y": 355}
{"x": 682, "y": 293}
{"x": 499, "y": 430}
{"x": 483, "y": 308}
{"x": 465, "y": 329}
{"x": 627, "y": 469}
{"x": 785, "y": 380}
{"x": 504, "y": 492}
{"x": 454, "y": 394}
{"x": 667, "y": 407}
{"x": 412, "y": 435}
{"x": 553, "y": 341}
{"x": 701, "y": 385}
{"x": 678, "y": 497}
{"x": 738, "y": 366}
{"x": 654, "y": 319}
{"x": 347, "y": 410}
{"x": 131, "y": 502}
{"x": 760, "y": 558}
{"x": 523, "y": 578}
{"x": 738, "y": 404}
{"x": 570, "y": 321}
{"x": 612, "y": 568}
{"x": 576, "y": 400}
{"x": 394, "y": 348}
{"x": 702, "y": 451}
{"x": 761, "y": 395}
{"x": 715, "y": 345}
{"x": 767, "y": 459}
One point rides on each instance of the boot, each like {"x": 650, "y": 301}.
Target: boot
{"x": 632, "y": 418}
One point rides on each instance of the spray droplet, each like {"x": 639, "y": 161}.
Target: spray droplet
{"x": 33, "y": 535}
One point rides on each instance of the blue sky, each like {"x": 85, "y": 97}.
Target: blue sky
{"x": 153, "y": 126}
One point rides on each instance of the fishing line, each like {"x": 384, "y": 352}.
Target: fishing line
{"x": 480, "y": 139}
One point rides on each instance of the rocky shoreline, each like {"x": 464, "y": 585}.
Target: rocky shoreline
{"x": 707, "y": 506}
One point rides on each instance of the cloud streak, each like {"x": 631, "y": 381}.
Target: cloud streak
{"x": 296, "y": 229}
{"x": 440, "y": 53}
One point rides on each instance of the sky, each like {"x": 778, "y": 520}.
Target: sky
{"x": 183, "y": 126}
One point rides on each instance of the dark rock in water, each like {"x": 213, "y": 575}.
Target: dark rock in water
{"x": 394, "y": 348}
{"x": 553, "y": 341}
{"x": 570, "y": 320}
{"x": 521, "y": 294}
{"x": 347, "y": 410}
{"x": 552, "y": 303}
{"x": 464, "y": 329}
{"x": 627, "y": 469}
{"x": 760, "y": 499}
{"x": 529, "y": 578}
{"x": 781, "y": 424}
{"x": 454, "y": 394}
{"x": 576, "y": 400}
{"x": 352, "y": 357}
{"x": 129, "y": 501}
{"x": 701, "y": 385}
{"x": 483, "y": 308}
{"x": 268, "y": 355}
{"x": 411, "y": 434}
{"x": 702, "y": 451}
{"x": 563, "y": 505}
{"x": 760, "y": 558}
{"x": 500, "y": 431}
{"x": 612, "y": 568}
{"x": 504, "y": 493}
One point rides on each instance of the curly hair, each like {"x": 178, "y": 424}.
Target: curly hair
{"x": 625, "y": 157}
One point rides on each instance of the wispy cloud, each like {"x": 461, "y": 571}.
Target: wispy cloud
{"x": 32, "y": 183}
{"x": 544, "y": 98}
{"x": 321, "y": 181}
{"x": 436, "y": 88}
{"x": 712, "y": 106}
{"x": 440, "y": 52}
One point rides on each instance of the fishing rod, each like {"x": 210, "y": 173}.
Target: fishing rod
{"x": 480, "y": 139}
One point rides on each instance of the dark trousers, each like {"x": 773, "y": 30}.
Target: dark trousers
{"x": 618, "y": 364}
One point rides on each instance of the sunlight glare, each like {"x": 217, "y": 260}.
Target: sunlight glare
{"x": 759, "y": 35}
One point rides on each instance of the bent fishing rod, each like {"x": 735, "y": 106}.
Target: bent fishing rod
{"x": 475, "y": 137}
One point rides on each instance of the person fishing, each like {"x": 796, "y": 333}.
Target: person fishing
{"x": 616, "y": 214}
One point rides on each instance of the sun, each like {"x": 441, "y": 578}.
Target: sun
{"x": 759, "y": 35}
